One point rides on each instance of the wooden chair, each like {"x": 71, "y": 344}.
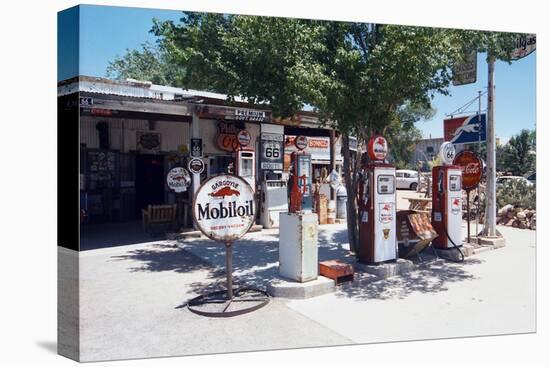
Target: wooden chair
{"x": 158, "y": 215}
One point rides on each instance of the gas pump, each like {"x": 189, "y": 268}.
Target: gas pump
{"x": 377, "y": 206}
{"x": 447, "y": 201}
{"x": 298, "y": 251}
{"x": 299, "y": 182}
{"x": 245, "y": 159}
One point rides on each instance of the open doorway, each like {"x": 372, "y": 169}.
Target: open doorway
{"x": 149, "y": 181}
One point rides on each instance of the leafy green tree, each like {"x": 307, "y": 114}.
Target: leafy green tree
{"x": 519, "y": 155}
{"x": 356, "y": 75}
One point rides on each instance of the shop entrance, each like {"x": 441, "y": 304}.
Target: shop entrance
{"x": 149, "y": 181}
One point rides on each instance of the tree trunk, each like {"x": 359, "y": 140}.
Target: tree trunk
{"x": 351, "y": 207}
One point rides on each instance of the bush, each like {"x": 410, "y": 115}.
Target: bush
{"x": 518, "y": 194}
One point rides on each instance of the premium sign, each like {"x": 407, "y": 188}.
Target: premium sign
{"x": 250, "y": 115}
{"x": 224, "y": 208}
{"x": 271, "y": 145}
{"x": 472, "y": 168}
{"x": 178, "y": 179}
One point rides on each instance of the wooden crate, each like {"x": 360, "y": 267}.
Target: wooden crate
{"x": 337, "y": 270}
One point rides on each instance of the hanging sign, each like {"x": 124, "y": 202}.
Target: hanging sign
{"x": 224, "y": 208}
{"x": 466, "y": 73}
{"x": 377, "y": 148}
{"x": 148, "y": 141}
{"x": 196, "y": 166}
{"x": 524, "y": 46}
{"x": 178, "y": 179}
{"x": 447, "y": 153}
{"x": 227, "y": 136}
{"x": 472, "y": 168}
{"x": 465, "y": 129}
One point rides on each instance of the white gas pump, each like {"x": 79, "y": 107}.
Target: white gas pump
{"x": 298, "y": 251}
{"x": 377, "y": 207}
{"x": 245, "y": 164}
{"x": 274, "y": 201}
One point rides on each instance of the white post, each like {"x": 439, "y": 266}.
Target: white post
{"x": 195, "y": 134}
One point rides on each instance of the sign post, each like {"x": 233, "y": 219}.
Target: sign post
{"x": 178, "y": 180}
{"x": 224, "y": 210}
{"x": 471, "y": 167}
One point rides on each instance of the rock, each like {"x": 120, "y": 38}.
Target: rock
{"x": 523, "y": 225}
{"x": 515, "y": 223}
{"x": 505, "y": 209}
{"x": 510, "y": 214}
{"x": 510, "y": 222}
{"x": 517, "y": 210}
{"x": 521, "y": 215}
{"x": 529, "y": 213}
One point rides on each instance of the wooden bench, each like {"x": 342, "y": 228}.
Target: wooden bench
{"x": 158, "y": 215}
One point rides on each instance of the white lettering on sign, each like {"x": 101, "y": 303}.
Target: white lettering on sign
{"x": 178, "y": 179}
{"x": 224, "y": 208}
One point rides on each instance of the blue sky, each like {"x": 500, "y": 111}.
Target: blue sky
{"x": 106, "y": 32}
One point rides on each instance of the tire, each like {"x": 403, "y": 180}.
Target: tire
{"x": 413, "y": 186}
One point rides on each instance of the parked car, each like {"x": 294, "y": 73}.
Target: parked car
{"x": 502, "y": 179}
{"x": 531, "y": 177}
{"x": 406, "y": 179}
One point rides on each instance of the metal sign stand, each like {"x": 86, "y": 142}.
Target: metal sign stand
{"x": 229, "y": 302}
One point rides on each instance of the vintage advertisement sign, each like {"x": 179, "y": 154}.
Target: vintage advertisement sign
{"x": 243, "y": 138}
{"x": 472, "y": 168}
{"x": 272, "y": 149}
{"x": 377, "y": 148}
{"x": 231, "y": 113}
{"x": 465, "y": 129}
{"x": 447, "y": 153}
{"x": 300, "y": 142}
{"x": 243, "y": 114}
{"x": 466, "y": 73}
{"x": 385, "y": 212}
{"x": 524, "y": 46}
{"x": 196, "y": 147}
{"x": 178, "y": 179}
{"x": 224, "y": 208}
{"x": 227, "y": 136}
{"x": 196, "y": 166}
{"x": 148, "y": 141}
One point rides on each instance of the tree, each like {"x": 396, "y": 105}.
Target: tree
{"x": 518, "y": 156}
{"x": 152, "y": 63}
{"x": 356, "y": 75}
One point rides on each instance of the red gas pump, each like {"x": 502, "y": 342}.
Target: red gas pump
{"x": 447, "y": 201}
{"x": 300, "y": 178}
{"x": 377, "y": 201}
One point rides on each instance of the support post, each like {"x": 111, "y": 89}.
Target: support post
{"x": 489, "y": 229}
{"x": 229, "y": 269}
{"x": 196, "y": 177}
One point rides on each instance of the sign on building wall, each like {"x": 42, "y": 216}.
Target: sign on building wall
{"x": 227, "y": 136}
{"x": 272, "y": 151}
{"x": 465, "y": 129}
{"x": 148, "y": 141}
{"x": 196, "y": 147}
{"x": 524, "y": 46}
{"x": 178, "y": 179}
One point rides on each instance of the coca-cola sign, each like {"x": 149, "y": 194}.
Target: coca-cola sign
{"x": 224, "y": 208}
{"x": 472, "y": 168}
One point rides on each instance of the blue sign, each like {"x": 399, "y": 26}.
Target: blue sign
{"x": 472, "y": 130}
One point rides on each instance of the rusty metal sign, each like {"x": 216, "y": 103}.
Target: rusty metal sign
{"x": 224, "y": 208}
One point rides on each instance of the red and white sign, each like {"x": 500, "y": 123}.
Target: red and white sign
{"x": 385, "y": 212}
{"x": 243, "y": 138}
{"x": 227, "y": 136}
{"x": 300, "y": 142}
{"x": 472, "y": 168}
{"x": 178, "y": 179}
{"x": 377, "y": 148}
{"x": 224, "y": 208}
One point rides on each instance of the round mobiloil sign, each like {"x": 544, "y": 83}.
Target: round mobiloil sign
{"x": 178, "y": 179}
{"x": 447, "y": 153}
{"x": 377, "y": 148}
{"x": 224, "y": 208}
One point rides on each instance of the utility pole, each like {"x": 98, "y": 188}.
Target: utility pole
{"x": 490, "y": 232}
